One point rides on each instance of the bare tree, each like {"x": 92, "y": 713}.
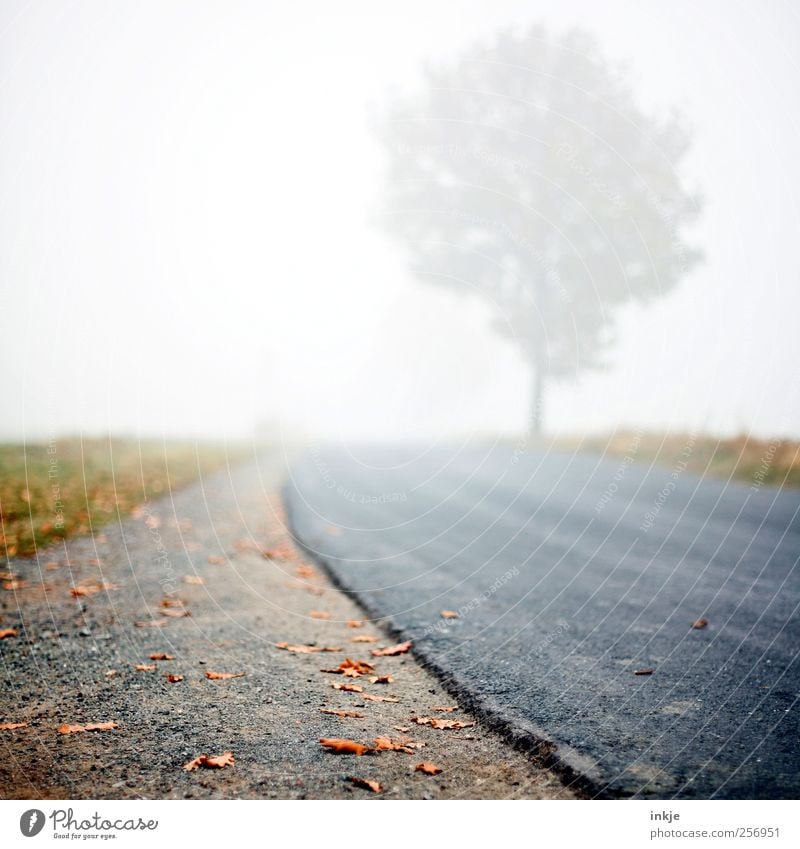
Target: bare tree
{"x": 527, "y": 173}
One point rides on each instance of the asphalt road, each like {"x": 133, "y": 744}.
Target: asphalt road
{"x": 570, "y": 574}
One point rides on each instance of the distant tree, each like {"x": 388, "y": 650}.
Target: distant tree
{"x": 526, "y": 173}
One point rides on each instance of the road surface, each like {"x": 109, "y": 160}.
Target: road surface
{"x": 570, "y": 575}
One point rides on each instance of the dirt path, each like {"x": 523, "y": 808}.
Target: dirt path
{"x": 74, "y": 661}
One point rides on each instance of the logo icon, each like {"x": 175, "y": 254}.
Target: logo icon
{"x": 31, "y": 822}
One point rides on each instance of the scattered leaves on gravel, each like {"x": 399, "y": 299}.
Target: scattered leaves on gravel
{"x": 391, "y": 651}
{"x": 223, "y": 676}
{"x": 215, "y": 762}
{"x": 339, "y": 746}
{"x": 428, "y": 768}
{"x": 367, "y": 784}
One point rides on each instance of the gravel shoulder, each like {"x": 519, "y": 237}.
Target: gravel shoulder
{"x": 74, "y": 657}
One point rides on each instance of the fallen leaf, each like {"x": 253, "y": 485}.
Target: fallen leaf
{"x": 91, "y": 726}
{"x": 304, "y": 571}
{"x": 216, "y": 762}
{"x": 344, "y": 747}
{"x": 449, "y": 614}
{"x": 700, "y": 623}
{"x": 363, "y": 638}
{"x": 16, "y": 584}
{"x": 391, "y": 651}
{"x": 216, "y": 560}
{"x": 5, "y": 633}
{"x": 644, "y": 671}
{"x": 169, "y": 601}
{"x": 143, "y": 667}
{"x": 223, "y": 676}
{"x": 355, "y": 623}
{"x": 173, "y": 679}
{"x": 110, "y": 673}
{"x": 351, "y": 668}
{"x": 319, "y": 614}
{"x": 370, "y": 698}
{"x": 52, "y": 566}
{"x": 428, "y": 768}
{"x": 10, "y": 726}
{"x": 306, "y": 649}
{"x": 367, "y": 784}
{"x": 162, "y": 656}
{"x": 8, "y": 576}
{"x": 403, "y": 728}
{"x": 381, "y": 679}
{"x": 280, "y": 552}
{"x": 342, "y": 713}
{"x": 150, "y": 623}
{"x": 171, "y": 611}
{"x": 350, "y": 688}
{"x": 445, "y": 709}
{"x": 441, "y": 724}
{"x": 386, "y": 744}
{"x": 193, "y": 579}
{"x": 91, "y": 589}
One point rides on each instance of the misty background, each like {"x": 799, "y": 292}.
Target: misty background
{"x": 188, "y": 242}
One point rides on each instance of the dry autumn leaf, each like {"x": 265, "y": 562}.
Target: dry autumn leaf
{"x": 162, "y": 656}
{"x": 91, "y": 589}
{"x": 91, "y": 726}
{"x": 319, "y": 614}
{"x": 223, "y": 676}
{"x": 403, "y": 728}
{"x": 698, "y": 624}
{"x": 449, "y": 614}
{"x": 304, "y": 571}
{"x": 381, "y": 679}
{"x": 363, "y": 638}
{"x": 445, "y": 709}
{"x": 386, "y": 744}
{"x": 370, "y": 698}
{"x": 176, "y": 613}
{"x": 350, "y": 688}
{"x": 351, "y": 668}
{"x": 391, "y": 651}
{"x": 367, "y": 784}
{"x": 428, "y": 768}
{"x": 173, "y": 679}
{"x": 145, "y": 667}
{"x": 215, "y": 762}
{"x": 342, "y": 713}
{"x": 441, "y": 724}
{"x": 16, "y": 584}
{"x": 306, "y": 649}
{"x": 344, "y": 747}
{"x": 5, "y": 633}
{"x": 193, "y": 579}
{"x": 355, "y": 623}
{"x": 648, "y": 671}
{"x": 10, "y": 726}
{"x": 150, "y": 623}
{"x": 216, "y": 560}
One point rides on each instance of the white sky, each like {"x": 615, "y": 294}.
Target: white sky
{"x": 185, "y": 243}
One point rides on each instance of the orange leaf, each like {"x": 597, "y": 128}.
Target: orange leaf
{"x": 223, "y": 676}
{"x": 363, "y": 638}
{"x": 350, "y": 688}
{"x": 193, "y": 579}
{"x": 342, "y": 713}
{"x": 70, "y": 729}
{"x": 16, "y": 584}
{"x": 216, "y": 762}
{"x": 400, "y": 648}
{"x": 216, "y": 560}
{"x": 403, "y": 728}
{"x": 150, "y": 623}
{"x": 319, "y": 614}
{"x": 143, "y": 667}
{"x": 173, "y": 679}
{"x": 162, "y": 656}
{"x": 304, "y": 571}
{"x": 91, "y": 589}
{"x": 5, "y": 633}
{"x": 176, "y": 613}
{"x": 386, "y": 744}
{"x": 367, "y": 784}
{"x": 381, "y": 679}
{"x": 428, "y": 768}
{"x": 351, "y": 668}
{"x": 92, "y": 726}
{"x": 449, "y": 614}
{"x": 441, "y": 723}
{"x": 344, "y": 747}
{"x": 698, "y": 624}
{"x": 445, "y": 709}
{"x": 306, "y": 649}
{"x": 10, "y": 726}
{"x": 370, "y": 698}
{"x": 355, "y": 623}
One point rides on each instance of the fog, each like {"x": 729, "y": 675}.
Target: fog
{"x": 193, "y": 239}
